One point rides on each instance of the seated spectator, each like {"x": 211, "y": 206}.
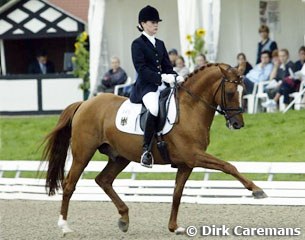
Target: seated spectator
{"x": 241, "y": 59}
{"x": 180, "y": 68}
{"x": 275, "y": 61}
{"x": 266, "y": 44}
{"x": 299, "y": 64}
{"x": 200, "y": 61}
{"x": 280, "y": 71}
{"x": 41, "y": 65}
{"x": 287, "y": 85}
{"x": 173, "y": 55}
{"x": 284, "y": 65}
{"x": 261, "y": 72}
{"x": 116, "y": 75}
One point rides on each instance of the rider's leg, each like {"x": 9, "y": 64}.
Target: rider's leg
{"x": 151, "y": 102}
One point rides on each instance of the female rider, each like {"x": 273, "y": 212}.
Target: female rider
{"x": 154, "y": 73}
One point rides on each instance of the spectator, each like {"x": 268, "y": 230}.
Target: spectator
{"x": 180, "y": 68}
{"x": 261, "y": 72}
{"x": 116, "y": 75}
{"x": 285, "y": 68}
{"x": 200, "y": 61}
{"x": 173, "y": 55}
{"x": 266, "y": 44}
{"x": 284, "y": 65}
{"x": 241, "y": 59}
{"x": 41, "y": 65}
{"x": 275, "y": 61}
{"x": 279, "y": 72}
{"x": 299, "y": 64}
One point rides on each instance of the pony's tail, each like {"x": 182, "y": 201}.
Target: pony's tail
{"x": 55, "y": 150}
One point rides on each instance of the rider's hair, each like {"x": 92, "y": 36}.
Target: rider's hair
{"x": 140, "y": 28}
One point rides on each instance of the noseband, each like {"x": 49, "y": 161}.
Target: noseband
{"x": 223, "y": 109}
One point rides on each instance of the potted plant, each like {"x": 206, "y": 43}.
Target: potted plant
{"x": 81, "y": 61}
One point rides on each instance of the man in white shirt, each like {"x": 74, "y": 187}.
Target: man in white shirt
{"x": 261, "y": 72}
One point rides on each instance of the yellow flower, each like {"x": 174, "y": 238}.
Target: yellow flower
{"x": 189, "y": 53}
{"x": 200, "y": 32}
{"x": 83, "y": 37}
{"x": 77, "y": 45}
{"x": 189, "y": 37}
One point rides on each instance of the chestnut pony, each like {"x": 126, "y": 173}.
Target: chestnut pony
{"x": 90, "y": 126}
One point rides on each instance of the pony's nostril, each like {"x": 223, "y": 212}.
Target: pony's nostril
{"x": 236, "y": 125}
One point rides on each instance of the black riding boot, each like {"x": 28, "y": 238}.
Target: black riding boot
{"x": 147, "y": 159}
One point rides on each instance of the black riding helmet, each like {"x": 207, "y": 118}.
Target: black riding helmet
{"x": 149, "y": 13}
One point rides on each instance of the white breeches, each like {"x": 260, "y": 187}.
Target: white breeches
{"x": 151, "y": 100}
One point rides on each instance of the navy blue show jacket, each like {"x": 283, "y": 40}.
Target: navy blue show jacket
{"x": 150, "y": 62}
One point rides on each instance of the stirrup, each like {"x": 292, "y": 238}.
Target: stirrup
{"x": 152, "y": 159}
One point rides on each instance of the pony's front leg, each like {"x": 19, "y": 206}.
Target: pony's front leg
{"x": 205, "y": 160}
{"x": 181, "y": 177}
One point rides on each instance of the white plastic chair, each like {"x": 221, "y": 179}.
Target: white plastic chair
{"x": 296, "y": 96}
{"x": 128, "y": 82}
{"x": 251, "y": 99}
{"x": 260, "y": 95}
{"x": 297, "y": 99}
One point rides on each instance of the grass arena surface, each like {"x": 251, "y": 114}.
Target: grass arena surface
{"x": 98, "y": 220}
{"x": 265, "y": 137}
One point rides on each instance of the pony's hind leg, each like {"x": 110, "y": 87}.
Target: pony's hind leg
{"x": 81, "y": 157}
{"x": 105, "y": 180}
{"x": 206, "y": 160}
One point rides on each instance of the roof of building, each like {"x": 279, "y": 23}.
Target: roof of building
{"x": 79, "y": 10}
{"x": 37, "y": 19}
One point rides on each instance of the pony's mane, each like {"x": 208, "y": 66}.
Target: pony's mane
{"x": 195, "y": 72}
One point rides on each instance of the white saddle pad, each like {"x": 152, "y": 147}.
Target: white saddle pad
{"x": 128, "y": 117}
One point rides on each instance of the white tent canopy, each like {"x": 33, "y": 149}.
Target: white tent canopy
{"x": 231, "y": 27}
{"x": 192, "y": 14}
{"x": 95, "y": 25}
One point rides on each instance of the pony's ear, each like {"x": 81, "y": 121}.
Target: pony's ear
{"x": 241, "y": 69}
{"x": 224, "y": 72}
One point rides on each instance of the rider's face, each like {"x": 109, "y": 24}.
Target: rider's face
{"x": 150, "y": 27}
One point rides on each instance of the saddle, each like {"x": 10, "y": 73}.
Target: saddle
{"x": 163, "y": 110}
{"x": 131, "y": 118}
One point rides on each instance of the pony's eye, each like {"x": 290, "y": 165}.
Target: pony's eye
{"x": 230, "y": 95}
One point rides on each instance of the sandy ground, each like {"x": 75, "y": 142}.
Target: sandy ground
{"x": 98, "y": 220}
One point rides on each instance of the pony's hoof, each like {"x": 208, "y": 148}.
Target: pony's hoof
{"x": 123, "y": 226}
{"x": 259, "y": 194}
{"x": 63, "y": 225}
{"x": 180, "y": 231}
{"x": 66, "y": 231}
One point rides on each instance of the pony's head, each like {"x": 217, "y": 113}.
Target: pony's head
{"x": 228, "y": 96}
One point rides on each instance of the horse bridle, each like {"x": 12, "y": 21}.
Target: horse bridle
{"x": 223, "y": 109}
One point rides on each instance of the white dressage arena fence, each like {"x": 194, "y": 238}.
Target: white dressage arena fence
{"x": 205, "y": 191}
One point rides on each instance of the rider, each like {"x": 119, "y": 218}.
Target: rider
{"x": 151, "y": 61}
